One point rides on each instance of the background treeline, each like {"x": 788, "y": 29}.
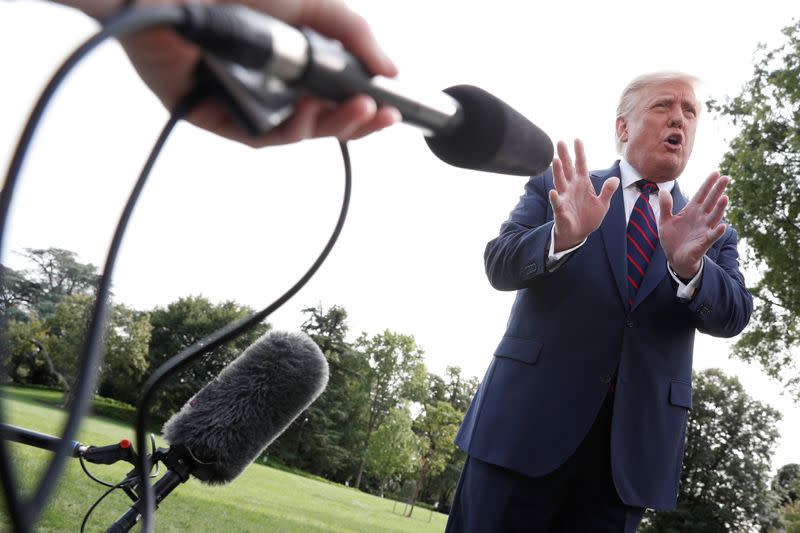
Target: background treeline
{"x": 384, "y": 424}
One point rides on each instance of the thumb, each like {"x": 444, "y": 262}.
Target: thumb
{"x": 609, "y": 187}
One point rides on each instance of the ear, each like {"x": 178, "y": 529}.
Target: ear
{"x": 622, "y": 129}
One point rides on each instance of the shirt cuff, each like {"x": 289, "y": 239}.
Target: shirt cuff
{"x": 686, "y": 290}
{"x": 554, "y": 259}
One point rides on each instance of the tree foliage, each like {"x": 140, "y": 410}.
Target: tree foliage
{"x": 54, "y": 274}
{"x": 178, "y": 326}
{"x": 395, "y": 373}
{"x": 393, "y": 446}
{"x": 127, "y": 343}
{"x": 729, "y": 445}
{"x": 436, "y": 429}
{"x": 786, "y": 489}
{"x": 383, "y": 421}
{"x": 764, "y": 161}
{"x": 322, "y": 440}
{"x": 458, "y": 391}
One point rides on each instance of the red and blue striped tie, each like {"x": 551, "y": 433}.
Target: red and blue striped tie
{"x": 642, "y": 237}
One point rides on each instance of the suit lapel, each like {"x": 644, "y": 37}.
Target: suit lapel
{"x": 658, "y": 263}
{"x": 613, "y": 231}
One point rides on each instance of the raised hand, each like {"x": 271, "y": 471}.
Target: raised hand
{"x": 688, "y": 235}
{"x": 577, "y": 209}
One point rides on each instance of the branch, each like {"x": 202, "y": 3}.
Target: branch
{"x": 791, "y": 224}
{"x": 51, "y": 367}
{"x": 772, "y": 302}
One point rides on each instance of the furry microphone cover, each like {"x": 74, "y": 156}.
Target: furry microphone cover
{"x": 230, "y": 421}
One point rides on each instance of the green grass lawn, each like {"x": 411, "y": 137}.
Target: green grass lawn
{"x": 261, "y": 499}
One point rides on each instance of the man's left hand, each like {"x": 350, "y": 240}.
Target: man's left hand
{"x": 687, "y": 236}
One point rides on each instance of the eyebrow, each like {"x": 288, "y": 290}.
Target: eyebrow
{"x": 685, "y": 103}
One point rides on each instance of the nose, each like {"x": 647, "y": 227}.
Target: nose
{"x": 675, "y": 119}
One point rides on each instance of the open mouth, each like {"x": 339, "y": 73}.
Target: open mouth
{"x": 675, "y": 139}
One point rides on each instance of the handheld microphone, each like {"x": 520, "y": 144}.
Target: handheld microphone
{"x": 258, "y": 65}
{"x": 230, "y": 421}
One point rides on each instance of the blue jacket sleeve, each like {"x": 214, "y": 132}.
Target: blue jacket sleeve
{"x": 722, "y": 304}
{"x": 516, "y": 258}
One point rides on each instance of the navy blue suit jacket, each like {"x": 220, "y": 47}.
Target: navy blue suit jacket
{"x": 571, "y": 330}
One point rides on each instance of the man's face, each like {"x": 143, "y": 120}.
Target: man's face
{"x": 658, "y": 134}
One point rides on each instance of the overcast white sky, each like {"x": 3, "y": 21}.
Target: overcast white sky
{"x": 229, "y": 222}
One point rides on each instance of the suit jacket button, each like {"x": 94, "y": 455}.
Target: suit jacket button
{"x": 629, "y": 322}
{"x": 606, "y": 379}
{"x": 703, "y": 311}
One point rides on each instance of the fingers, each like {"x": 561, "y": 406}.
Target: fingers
{"x": 665, "y": 207}
{"x": 299, "y": 126}
{"x": 334, "y": 19}
{"x": 564, "y": 173}
{"x": 313, "y": 118}
{"x": 701, "y": 194}
{"x": 714, "y": 195}
{"x": 566, "y": 160}
{"x": 558, "y": 176}
{"x": 580, "y": 159}
{"x": 715, "y": 217}
{"x": 715, "y": 234}
{"x": 385, "y": 116}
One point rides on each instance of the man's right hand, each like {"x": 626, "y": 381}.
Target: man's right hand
{"x": 577, "y": 209}
{"x": 166, "y": 63}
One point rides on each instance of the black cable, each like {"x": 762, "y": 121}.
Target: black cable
{"x": 183, "y": 107}
{"x": 24, "y": 514}
{"x": 216, "y": 339}
{"x": 92, "y": 476}
{"x": 102, "y": 497}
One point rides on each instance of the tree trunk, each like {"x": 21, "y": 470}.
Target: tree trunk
{"x": 363, "y": 460}
{"x": 360, "y": 472}
{"x": 67, "y": 399}
{"x": 417, "y": 492}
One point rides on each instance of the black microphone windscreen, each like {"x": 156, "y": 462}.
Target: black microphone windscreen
{"x": 493, "y": 137}
{"x": 229, "y": 422}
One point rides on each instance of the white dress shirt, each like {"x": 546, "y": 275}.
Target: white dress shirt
{"x": 630, "y": 193}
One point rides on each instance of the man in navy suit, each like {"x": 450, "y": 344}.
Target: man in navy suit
{"x": 580, "y": 421}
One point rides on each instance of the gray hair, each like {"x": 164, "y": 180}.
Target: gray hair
{"x": 632, "y": 92}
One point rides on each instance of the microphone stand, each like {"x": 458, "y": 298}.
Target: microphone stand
{"x": 179, "y": 463}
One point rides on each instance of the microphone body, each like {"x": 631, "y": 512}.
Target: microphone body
{"x": 230, "y": 421}
{"x": 259, "y": 65}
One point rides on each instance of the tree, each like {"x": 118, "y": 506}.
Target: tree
{"x": 785, "y": 501}
{"x": 458, "y": 392}
{"x": 729, "y": 445}
{"x": 436, "y": 428}
{"x": 17, "y": 294}
{"x": 392, "y": 447}
{"x": 66, "y": 328}
{"x": 321, "y": 439}
{"x": 180, "y": 325}
{"x": 764, "y": 160}
{"x": 127, "y": 342}
{"x": 56, "y": 274}
{"x": 28, "y": 362}
{"x": 48, "y": 351}
{"x": 395, "y": 373}
{"x": 786, "y": 483}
